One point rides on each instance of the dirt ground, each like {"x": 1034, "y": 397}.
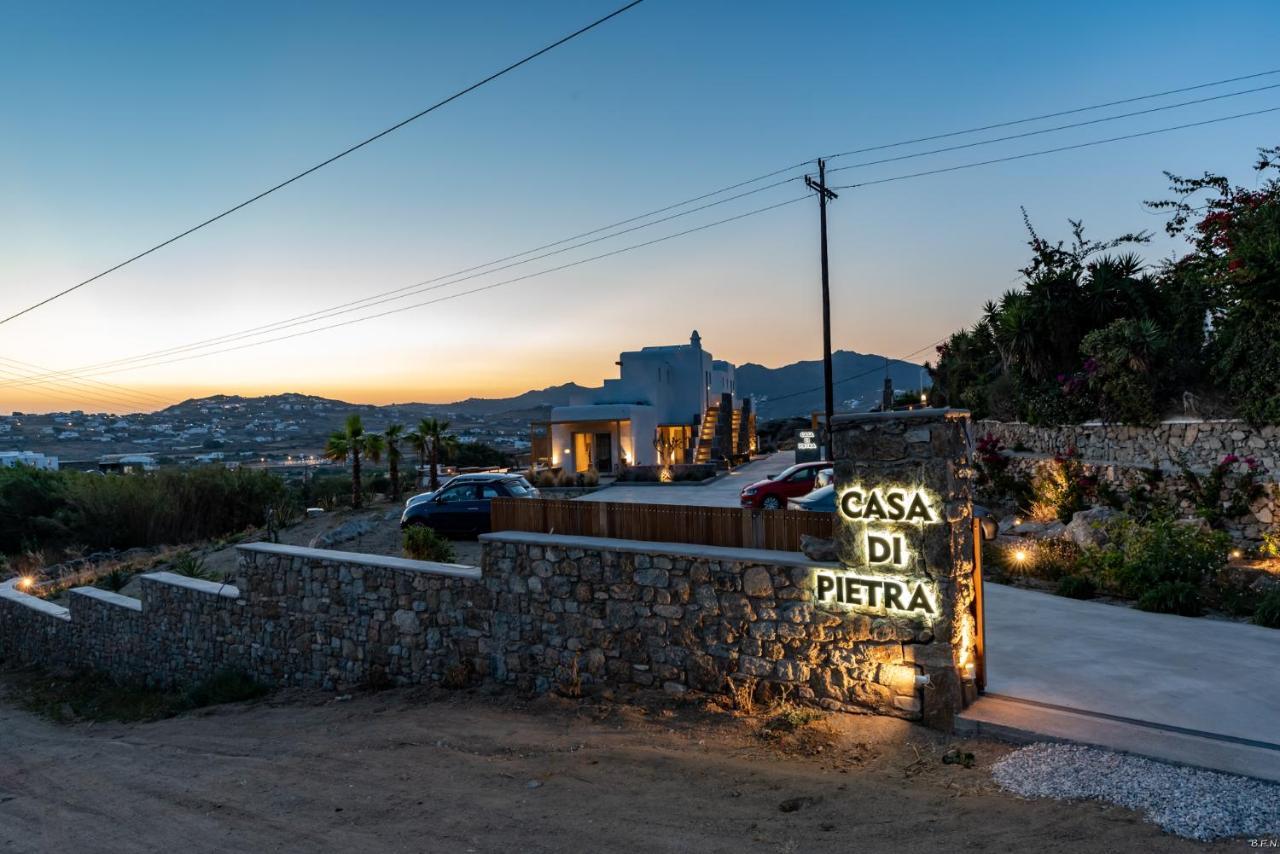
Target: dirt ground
{"x": 418, "y": 771}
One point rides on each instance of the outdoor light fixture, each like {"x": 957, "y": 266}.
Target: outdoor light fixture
{"x": 1020, "y": 556}
{"x": 26, "y": 582}
{"x": 1236, "y": 553}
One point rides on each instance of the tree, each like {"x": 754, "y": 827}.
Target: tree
{"x": 418, "y": 442}
{"x": 432, "y": 433}
{"x": 391, "y": 438}
{"x": 351, "y": 443}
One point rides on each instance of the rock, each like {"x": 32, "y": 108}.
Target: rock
{"x": 757, "y": 582}
{"x": 344, "y": 532}
{"x": 1088, "y": 527}
{"x": 1195, "y": 522}
{"x": 818, "y": 548}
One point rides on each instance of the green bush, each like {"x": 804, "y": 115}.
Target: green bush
{"x": 1268, "y": 611}
{"x": 1077, "y": 587}
{"x": 423, "y": 543}
{"x": 192, "y": 566}
{"x": 1172, "y": 597}
{"x": 1162, "y": 564}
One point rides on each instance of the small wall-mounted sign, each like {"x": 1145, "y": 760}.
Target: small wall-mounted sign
{"x": 807, "y": 450}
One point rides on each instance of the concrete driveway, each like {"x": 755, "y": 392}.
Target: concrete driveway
{"x": 722, "y": 493}
{"x": 1188, "y": 689}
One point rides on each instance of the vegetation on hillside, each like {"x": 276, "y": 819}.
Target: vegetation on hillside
{"x": 1095, "y": 332}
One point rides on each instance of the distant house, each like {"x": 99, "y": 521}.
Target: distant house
{"x": 9, "y": 459}
{"x": 126, "y": 463}
{"x": 670, "y": 404}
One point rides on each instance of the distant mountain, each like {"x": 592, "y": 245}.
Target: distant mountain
{"x": 796, "y": 389}
{"x": 556, "y": 395}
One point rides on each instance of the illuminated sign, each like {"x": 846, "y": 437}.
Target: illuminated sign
{"x": 886, "y": 594}
{"x": 881, "y": 575}
{"x": 807, "y": 447}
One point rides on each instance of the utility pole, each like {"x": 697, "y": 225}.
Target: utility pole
{"x": 820, "y": 187}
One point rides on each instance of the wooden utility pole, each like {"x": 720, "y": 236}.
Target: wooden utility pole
{"x": 820, "y": 187}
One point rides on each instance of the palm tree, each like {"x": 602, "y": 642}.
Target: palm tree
{"x": 430, "y": 435}
{"x": 391, "y": 437}
{"x": 350, "y": 443}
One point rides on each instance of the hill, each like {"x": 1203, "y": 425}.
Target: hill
{"x": 796, "y": 389}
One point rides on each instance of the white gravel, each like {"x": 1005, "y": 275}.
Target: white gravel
{"x": 1190, "y": 802}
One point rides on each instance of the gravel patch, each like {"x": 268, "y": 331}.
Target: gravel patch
{"x": 1189, "y": 802}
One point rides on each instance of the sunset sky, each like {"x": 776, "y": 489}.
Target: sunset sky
{"x": 126, "y": 123}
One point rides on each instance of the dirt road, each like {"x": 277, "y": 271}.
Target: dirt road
{"x": 403, "y": 771}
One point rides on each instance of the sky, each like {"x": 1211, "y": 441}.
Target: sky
{"x": 127, "y": 123}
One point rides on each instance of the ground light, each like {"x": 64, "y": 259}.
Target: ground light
{"x": 1020, "y": 555}
{"x": 26, "y": 582}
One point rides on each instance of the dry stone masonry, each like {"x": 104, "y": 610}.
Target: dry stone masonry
{"x": 888, "y": 629}
{"x": 1121, "y": 456}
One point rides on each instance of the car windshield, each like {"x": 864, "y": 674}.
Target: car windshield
{"x": 518, "y": 487}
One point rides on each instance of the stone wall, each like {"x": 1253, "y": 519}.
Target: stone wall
{"x": 680, "y": 617}
{"x": 1200, "y": 443}
{"x": 1121, "y": 456}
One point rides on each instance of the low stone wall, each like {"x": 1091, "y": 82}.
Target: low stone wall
{"x": 1201, "y": 444}
{"x": 546, "y": 611}
{"x": 620, "y": 612}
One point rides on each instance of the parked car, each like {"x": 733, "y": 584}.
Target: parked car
{"x": 461, "y": 507}
{"x": 772, "y": 492}
{"x": 821, "y": 500}
{"x": 474, "y": 477}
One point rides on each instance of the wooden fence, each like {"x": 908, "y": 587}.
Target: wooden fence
{"x": 732, "y": 527}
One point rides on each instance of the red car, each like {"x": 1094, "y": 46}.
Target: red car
{"x": 773, "y": 492}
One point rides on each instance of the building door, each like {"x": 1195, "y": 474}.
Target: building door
{"x": 583, "y": 451}
{"x": 604, "y": 452}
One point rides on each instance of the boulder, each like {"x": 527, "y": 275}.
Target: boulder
{"x": 1088, "y": 527}
{"x": 344, "y": 532}
{"x": 818, "y": 548}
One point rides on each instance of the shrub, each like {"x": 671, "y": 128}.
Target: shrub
{"x": 1268, "y": 611}
{"x": 1148, "y": 561}
{"x": 423, "y": 543}
{"x": 1061, "y": 488}
{"x": 115, "y": 580}
{"x": 545, "y": 479}
{"x": 1225, "y": 492}
{"x": 192, "y": 566}
{"x": 1049, "y": 559}
{"x": 1077, "y": 587}
{"x": 590, "y": 477}
{"x": 1172, "y": 597}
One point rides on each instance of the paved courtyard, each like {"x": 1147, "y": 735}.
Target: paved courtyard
{"x": 723, "y": 492}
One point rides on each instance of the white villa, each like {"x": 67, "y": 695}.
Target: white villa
{"x": 35, "y": 460}
{"x": 670, "y": 404}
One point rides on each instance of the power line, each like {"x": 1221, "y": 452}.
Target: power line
{"x": 1060, "y": 113}
{"x": 1057, "y": 150}
{"x": 458, "y": 294}
{"x": 420, "y": 287}
{"x": 456, "y": 95}
{"x": 368, "y": 302}
{"x": 1054, "y": 129}
{"x": 287, "y": 322}
{"x": 851, "y": 377}
{"x": 123, "y": 391}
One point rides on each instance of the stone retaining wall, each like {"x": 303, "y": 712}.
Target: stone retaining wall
{"x": 679, "y": 617}
{"x": 547, "y": 611}
{"x": 1121, "y": 456}
{"x": 1200, "y": 443}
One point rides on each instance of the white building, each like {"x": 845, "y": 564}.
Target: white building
{"x": 670, "y": 404}
{"x": 9, "y": 459}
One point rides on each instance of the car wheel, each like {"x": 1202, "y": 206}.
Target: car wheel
{"x": 771, "y": 502}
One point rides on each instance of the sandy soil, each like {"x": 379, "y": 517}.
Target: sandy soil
{"x": 461, "y": 772}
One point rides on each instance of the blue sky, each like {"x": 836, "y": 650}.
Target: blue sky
{"x": 126, "y": 123}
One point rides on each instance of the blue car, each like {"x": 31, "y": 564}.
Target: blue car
{"x": 822, "y": 500}
{"x": 461, "y": 507}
